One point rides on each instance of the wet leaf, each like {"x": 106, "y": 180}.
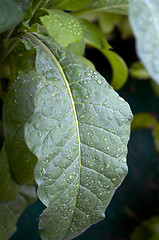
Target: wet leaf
{"x": 79, "y": 132}
{"x": 63, "y": 27}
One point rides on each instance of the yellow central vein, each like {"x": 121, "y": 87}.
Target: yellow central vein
{"x": 47, "y": 50}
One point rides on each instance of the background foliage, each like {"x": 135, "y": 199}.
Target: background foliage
{"x": 28, "y": 122}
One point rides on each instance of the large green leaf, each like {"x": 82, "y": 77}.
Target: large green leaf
{"x": 144, "y": 19}
{"x": 67, "y": 4}
{"x": 11, "y": 13}
{"x": 79, "y": 131}
{"x": 11, "y": 210}
{"x": 63, "y": 27}
{"x": 15, "y": 114}
{"x": 113, "y": 6}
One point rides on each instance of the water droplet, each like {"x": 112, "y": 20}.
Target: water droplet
{"x": 87, "y": 73}
{"x": 107, "y": 165}
{"x": 39, "y": 134}
{"x": 99, "y": 82}
{"x": 81, "y": 116}
{"x": 86, "y": 96}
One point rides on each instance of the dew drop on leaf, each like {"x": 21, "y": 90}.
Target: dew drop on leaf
{"x": 86, "y": 96}
{"x": 99, "y": 82}
{"x": 81, "y": 116}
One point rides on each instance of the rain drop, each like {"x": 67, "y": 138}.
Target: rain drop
{"x": 99, "y": 82}
{"x": 86, "y": 96}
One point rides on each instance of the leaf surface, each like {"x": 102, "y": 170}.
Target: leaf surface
{"x": 72, "y": 5}
{"x": 119, "y": 69}
{"x": 95, "y": 38}
{"x": 137, "y": 70}
{"x": 8, "y": 187}
{"x": 79, "y": 131}
{"x": 15, "y": 114}
{"x": 63, "y": 27}
{"x": 11, "y": 13}
{"x": 11, "y": 210}
{"x": 113, "y": 6}
{"x": 144, "y": 20}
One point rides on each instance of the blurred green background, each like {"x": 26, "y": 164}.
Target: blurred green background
{"x": 137, "y": 199}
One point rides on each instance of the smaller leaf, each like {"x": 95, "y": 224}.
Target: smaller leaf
{"x": 142, "y": 120}
{"x": 119, "y": 69}
{"x": 147, "y": 230}
{"x": 77, "y": 47}
{"x": 71, "y": 5}
{"x": 93, "y": 36}
{"x": 8, "y": 187}
{"x": 113, "y": 6}
{"x": 88, "y": 62}
{"x": 63, "y": 27}
{"x": 36, "y": 17}
{"x": 11, "y": 14}
{"x": 137, "y": 70}
{"x": 108, "y": 21}
{"x": 11, "y": 210}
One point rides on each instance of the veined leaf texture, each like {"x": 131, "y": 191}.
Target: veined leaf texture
{"x": 78, "y": 128}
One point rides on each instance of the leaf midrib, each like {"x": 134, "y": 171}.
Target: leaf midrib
{"x": 48, "y": 51}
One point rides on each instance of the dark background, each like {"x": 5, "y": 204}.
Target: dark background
{"x": 137, "y": 199}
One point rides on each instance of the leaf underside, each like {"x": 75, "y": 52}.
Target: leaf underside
{"x": 78, "y": 130}
{"x": 144, "y": 19}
